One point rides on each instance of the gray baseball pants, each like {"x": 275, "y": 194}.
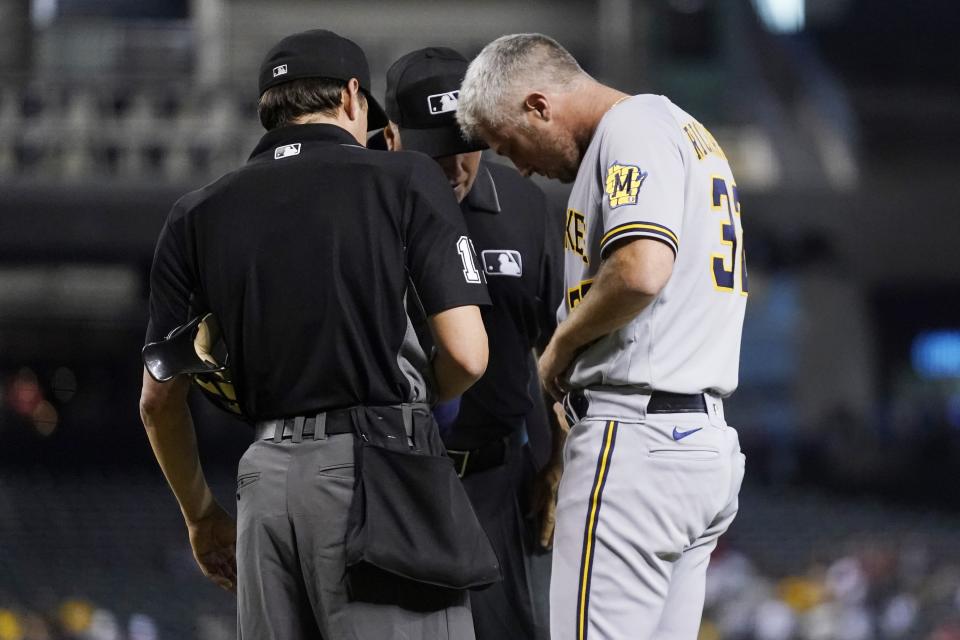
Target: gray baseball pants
{"x": 639, "y": 512}
{"x": 292, "y": 505}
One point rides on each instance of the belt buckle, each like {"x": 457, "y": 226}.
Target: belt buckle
{"x": 464, "y": 460}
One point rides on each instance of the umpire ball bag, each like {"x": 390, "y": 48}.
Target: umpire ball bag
{"x": 410, "y": 516}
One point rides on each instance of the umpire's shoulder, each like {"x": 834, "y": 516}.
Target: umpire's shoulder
{"x": 514, "y": 190}
{"x": 193, "y": 201}
{"x": 400, "y": 164}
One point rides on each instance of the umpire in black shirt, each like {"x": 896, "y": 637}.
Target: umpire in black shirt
{"x": 520, "y": 250}
{"x": 306, "y": 255}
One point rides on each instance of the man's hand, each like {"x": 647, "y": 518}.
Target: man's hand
{"x": 547, "y": 482}
{"x": 627, "y": 282}
{"x": 214, "y": 540}
{"x": 545, "y": 501}
{"x": 553, "y": 364}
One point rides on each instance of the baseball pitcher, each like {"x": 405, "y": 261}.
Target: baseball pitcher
{"x": 649, "y": 336}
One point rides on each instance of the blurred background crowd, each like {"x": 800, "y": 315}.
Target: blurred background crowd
{"x": 837, "y": 117}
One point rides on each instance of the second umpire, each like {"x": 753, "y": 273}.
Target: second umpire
{"x": 520, "y": 251}
{"x": 306, "y": 255}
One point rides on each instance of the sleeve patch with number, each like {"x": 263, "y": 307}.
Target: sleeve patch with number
{"x": 468, "y": 255}
{"x": 623, "y": 183}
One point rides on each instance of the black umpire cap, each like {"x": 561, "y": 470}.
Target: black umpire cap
{"x": 320, "y": 54}
{"x": 423, "y": 88}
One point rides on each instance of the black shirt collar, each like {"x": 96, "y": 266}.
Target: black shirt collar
{"x": 329, "y": 133}
{"x": 483, "y": 195}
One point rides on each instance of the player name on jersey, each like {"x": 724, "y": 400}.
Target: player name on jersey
{"x": 573, "y": 238}
{"x": 702, "y": 140}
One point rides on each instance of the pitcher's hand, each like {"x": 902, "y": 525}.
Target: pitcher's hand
{"x": 545, "y": 501}
{"x": 553, "y": 364}
{"x": 548, "y": 481}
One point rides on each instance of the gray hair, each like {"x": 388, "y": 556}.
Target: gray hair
{"x": 490, "y": 95}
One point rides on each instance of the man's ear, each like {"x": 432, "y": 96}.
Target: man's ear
{"x": 537, "y": 105}
{"x": 351, "y": 99}
{"x": 392, "y": 137}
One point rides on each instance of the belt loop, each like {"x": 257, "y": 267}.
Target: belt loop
{"x": 298, "y": 423}
{"x": 570, "y": 414}
{"x": 644, "y": 405}
{"x": 278, "y": 430}
{"x": 406, "y": 410}
{"x": 714, "y": 407}
{"x": 320, "y": 427}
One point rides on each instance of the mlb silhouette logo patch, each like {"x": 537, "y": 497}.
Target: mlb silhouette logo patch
{"x": 279, "y": 70}
{"x": 502, "y": 262}
{"x": 443, "y": 102}
{"x": 623, "y": 184}
{"x": 286, "y": 151}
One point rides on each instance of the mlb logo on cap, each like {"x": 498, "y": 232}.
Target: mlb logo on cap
{"x": 443, "y": 102}
{"x": 430, "y": 76}
{"x": 279, "y": 70}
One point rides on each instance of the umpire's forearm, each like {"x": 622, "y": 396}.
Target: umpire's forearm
{"x": 462, "y": 352}
{"x": 451, "y": 377}
{"x": 169, "y": 426}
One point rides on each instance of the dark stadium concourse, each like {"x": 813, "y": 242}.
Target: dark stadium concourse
{"x": 837, "y": 117}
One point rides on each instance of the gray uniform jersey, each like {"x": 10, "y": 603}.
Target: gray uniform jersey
{"x": 652, "y": 171}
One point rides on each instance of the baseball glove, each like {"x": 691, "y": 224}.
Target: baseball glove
{"x": 196, "y": 349}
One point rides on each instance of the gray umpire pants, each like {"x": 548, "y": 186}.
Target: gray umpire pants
{"x": 292, "y": 505}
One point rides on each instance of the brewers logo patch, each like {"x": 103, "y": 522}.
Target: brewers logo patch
{"x": 502, "y": 262}
{"x": 623, "y": 184}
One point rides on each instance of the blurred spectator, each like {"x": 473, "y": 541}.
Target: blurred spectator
{"x": 846, "y": 582}
{"x": 801, "y": 593}
{"x": 103, "y": 626}
{"x": 872, "y": 594}
{"x": 76, "y": 616}
{"x": 10, "y": 628}
{"x": 949, "y": 631}
{"x": 213, "y": 627}
{"x": 899, "y": 616}
{"x": 774, "y": 621}
{"x": 142, "y": 627}
{"x": 35, "y": 627}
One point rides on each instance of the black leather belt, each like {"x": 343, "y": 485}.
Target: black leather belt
{"x": 664, "y": 402}
{"x": 488, "y": 456}
{"x": 296, "y": 429}
{"x": 660, "y": 402}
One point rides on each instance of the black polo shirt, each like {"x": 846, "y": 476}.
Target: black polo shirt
{"x": 306, "y": 255}
{"x": 520, "y": 247}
